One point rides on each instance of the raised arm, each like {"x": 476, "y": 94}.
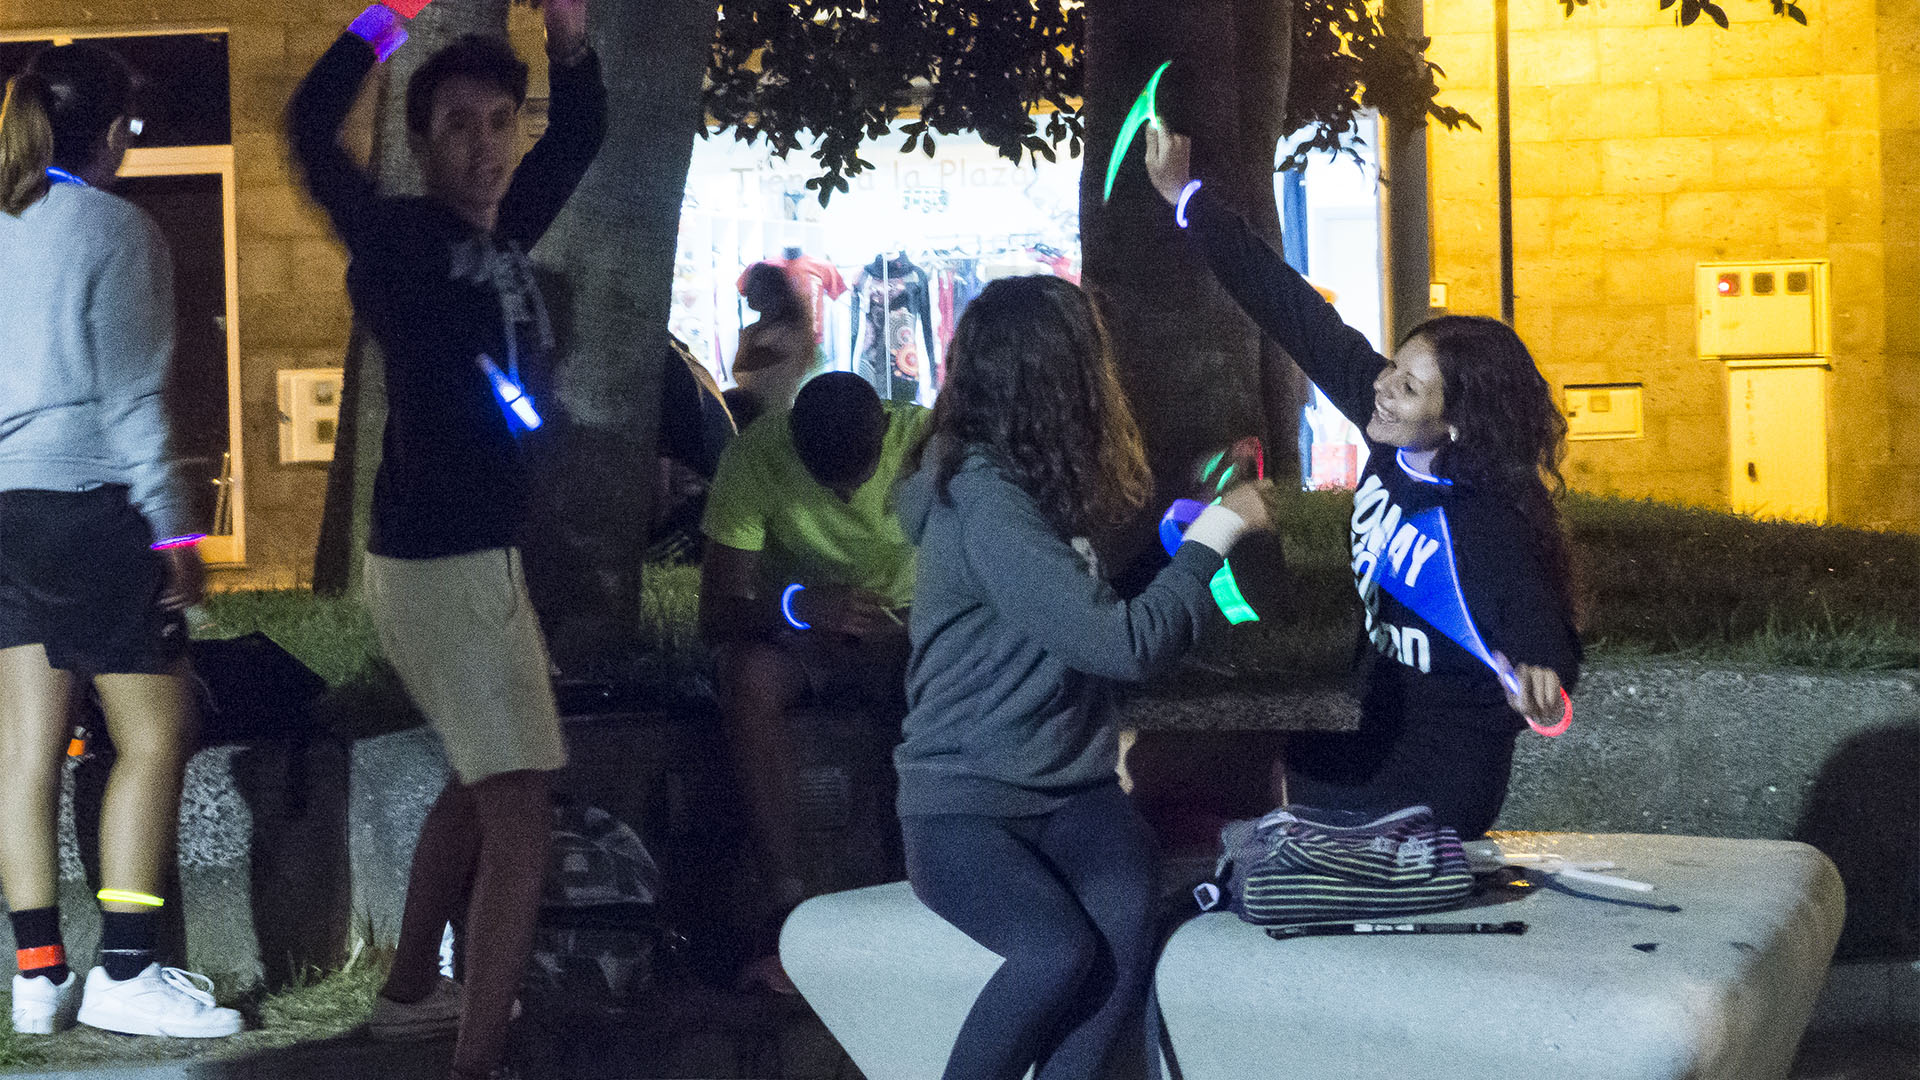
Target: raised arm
{"x": 576, "y": 125}
{"x": 1338, "y": 358}
{"x": 314, "y": 117}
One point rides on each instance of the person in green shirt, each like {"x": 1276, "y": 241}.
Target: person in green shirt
{"x": 804, "y": 591}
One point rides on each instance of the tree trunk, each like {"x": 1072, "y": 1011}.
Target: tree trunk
{"x": 608, "y": 271}
{"x": 1190, "y": 359}
{"x": 363, "y": 391}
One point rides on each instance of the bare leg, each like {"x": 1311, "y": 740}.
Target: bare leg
{"x": 437, "y": 889}
{"x": 758, "y": 683}
{"x": 153, "y": 724}
{"x": 34, "y": 702}
{"x": 516, "y": 825}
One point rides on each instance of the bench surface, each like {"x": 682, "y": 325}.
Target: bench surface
{"x": 1724, "y": 994}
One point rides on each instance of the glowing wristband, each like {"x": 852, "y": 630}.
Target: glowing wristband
{"x": 1566, "y": 720}
{"x": 379, "y": 26}
{"x": 1173, "y": 525}
{"x": 128, "y": 896}
{"x": 171, "y": 542}
{"x": 62, "y": 176}
{"x": 1180, "y": 207}
{"x": 1143, "y": 111}
{"x": 786, "y": 606}
{"x": 513, "y": 397}
{"x": 409, "y": 8}
{"x": 1400, "y": 456}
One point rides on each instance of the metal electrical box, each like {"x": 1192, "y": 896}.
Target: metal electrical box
{"x": 1755, "y": 309}
{"x": 1612, "y": 411}
{"x": 309, "y": 413}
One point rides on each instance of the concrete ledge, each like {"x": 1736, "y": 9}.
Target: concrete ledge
{"x": 891, "y": 980}
{"x": 1724, "y": 994}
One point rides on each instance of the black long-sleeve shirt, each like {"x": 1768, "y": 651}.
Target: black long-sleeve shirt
{"x": 436, "y": 293}
{"x": 1416, "y": 670}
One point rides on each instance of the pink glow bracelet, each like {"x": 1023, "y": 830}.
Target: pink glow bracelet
{"x": 171, "y": 542}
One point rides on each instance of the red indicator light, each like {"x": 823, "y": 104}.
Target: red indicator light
{"x": 1729, "y": 285}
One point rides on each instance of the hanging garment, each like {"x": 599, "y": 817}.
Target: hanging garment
{"x": 893, "y": 319}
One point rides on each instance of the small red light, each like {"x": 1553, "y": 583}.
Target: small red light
{"x": 1729, "y": 285}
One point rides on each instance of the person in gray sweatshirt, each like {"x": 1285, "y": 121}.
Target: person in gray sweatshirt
{"x": 96, "y": 560}
{"x": 1015, "y": 827}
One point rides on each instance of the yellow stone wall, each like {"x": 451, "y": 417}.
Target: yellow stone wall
{"x": 1641, "y": 148}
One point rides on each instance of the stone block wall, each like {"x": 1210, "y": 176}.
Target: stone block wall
{"x": 1641, "y": 148}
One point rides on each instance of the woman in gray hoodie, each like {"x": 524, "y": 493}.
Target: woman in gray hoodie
{"x": 1015, "y": 826}
{"x": 95, "y": 560}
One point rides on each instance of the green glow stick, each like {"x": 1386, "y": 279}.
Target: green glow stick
{"x": 1226, "y": 593}
{"x": 1143, "y": 111}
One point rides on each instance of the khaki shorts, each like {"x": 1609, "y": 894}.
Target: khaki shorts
{"x": 464, "y": 640}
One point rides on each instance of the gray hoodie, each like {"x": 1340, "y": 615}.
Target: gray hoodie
{"x": 1017, "y": 639}
{"x": 86, "y": 310}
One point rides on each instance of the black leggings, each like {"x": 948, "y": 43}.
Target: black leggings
{"x": 1458, "y": 767}
{"x": 1066, "y": 898}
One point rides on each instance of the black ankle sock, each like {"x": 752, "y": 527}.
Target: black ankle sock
{"x": 36, "y": 934}
{"x": 126, "y": 942}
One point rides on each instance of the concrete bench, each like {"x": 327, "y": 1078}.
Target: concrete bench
{"x": 1723, "y": 994}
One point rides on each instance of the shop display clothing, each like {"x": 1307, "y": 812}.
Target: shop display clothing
{"x": 817, "y": 281}
{"x": 893, "y": 318}
{"x": 1416, "y": 676}
{"x": 437, "y": 293}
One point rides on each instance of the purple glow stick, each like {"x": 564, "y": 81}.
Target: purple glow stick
{"x": 380, "y": 27}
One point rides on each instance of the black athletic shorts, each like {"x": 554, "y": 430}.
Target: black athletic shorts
{"x": 78, "y": 577}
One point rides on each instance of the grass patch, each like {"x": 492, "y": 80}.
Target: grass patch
{"x": 1655, "y": 580}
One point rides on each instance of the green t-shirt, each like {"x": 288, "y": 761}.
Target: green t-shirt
{"x": 764, "y": 500}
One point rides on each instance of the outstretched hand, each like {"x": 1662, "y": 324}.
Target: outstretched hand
{"x": 1169, "y": 161}
{"x": 1539, "y": 696}
{"x": 566, "y": 29}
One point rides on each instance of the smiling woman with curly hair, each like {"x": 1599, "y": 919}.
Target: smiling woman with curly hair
{"x": 1461, "y": 429}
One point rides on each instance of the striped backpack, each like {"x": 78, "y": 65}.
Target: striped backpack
{"x": 1298, "y": 865}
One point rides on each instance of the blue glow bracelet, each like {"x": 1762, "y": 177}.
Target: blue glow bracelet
{"x": 379, "y": 26}
{"x": 62, "y": 176}
{"x": 786, "y": 606}
{"x": 171, "y": 542}
{"x": 1180, "y": 207}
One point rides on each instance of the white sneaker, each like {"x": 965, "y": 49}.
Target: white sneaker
{"x": 40, "y": 1007}
{"x": 432, "y": 1016}
{"x": 158, "y": 1001}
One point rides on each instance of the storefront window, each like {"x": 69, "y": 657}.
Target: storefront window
{"x": 887, "y": 266}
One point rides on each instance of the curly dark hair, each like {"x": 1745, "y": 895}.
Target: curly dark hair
{"x": 1031, "y": 383}
{"x": 1510, "y": 438}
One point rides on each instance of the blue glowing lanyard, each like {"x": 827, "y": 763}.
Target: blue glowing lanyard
{"x": 62, "y": 176}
